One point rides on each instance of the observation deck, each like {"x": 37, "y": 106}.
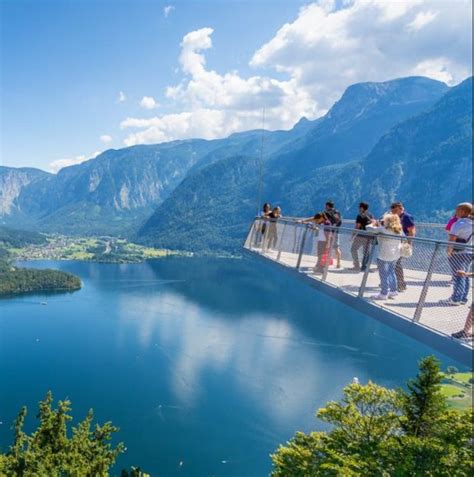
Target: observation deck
{"x": 418, "y": 311}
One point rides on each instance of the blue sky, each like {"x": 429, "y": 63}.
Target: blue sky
{"x": 204, "y": 68}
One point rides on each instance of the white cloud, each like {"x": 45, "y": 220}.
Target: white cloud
{"x": 59, "y": 164}
{"x": 105, "y": 138}
{"x": 326, "y": 49}
{"x": 421, "y": 20}
{"x": 217, "y": 105}
{"x": 322, "y": 52}
{"x": 148, "y": 102}
{"x": 121, "y": 97}
{"x": 167, "y": 10}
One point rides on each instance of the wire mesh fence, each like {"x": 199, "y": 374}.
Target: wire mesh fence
{"x": 419, "y": 279}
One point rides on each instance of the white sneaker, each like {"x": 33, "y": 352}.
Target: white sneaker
{"x": 379, "y": 297}
{"x": 392, "y": 295}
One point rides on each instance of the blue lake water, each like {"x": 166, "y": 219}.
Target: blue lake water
{"x": 206, "y": 365}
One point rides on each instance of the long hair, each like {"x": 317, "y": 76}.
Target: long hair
{"x": 392, "y": 222}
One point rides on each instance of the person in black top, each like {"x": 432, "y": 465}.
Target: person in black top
{"x": 363, "y": 219}
{"x": 272, "y": 237}
{"x": 335, "y": 218}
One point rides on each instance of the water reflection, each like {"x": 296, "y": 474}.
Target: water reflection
{"x": 269, "y": 360}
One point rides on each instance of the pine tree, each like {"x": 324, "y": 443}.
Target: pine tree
{"x": 424, "y": 403}
{"x": 51, "y": 451}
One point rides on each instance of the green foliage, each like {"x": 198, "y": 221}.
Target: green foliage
{"x": 424, "y": 403}
{"x": 377, "y": 432}
{"x": 51, "y": 450}
{"x": 28, "y": 280}
{"x": 20, "y": 238}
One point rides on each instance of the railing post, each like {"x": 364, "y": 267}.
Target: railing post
{"x": 280, "y": 245}
{"x": 367, "y": 266}
{"x": 300, "y": 255}
{"x": 424, "y": 291}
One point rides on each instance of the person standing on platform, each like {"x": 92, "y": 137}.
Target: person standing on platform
{"x": 388, "y": 254}
{"x": 409, "y": 229}
{"x": 272, "y": 237}
{"x": 359, "y": 241}
{"x": 335, "y": 219}
{"x": 460, "y": 258}
{"x": 320, "y": 221}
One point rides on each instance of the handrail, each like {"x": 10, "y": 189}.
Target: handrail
{"x": 434, "y": 225}
{"x": 292, "y": 220}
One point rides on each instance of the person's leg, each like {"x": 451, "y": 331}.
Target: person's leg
{"x": 391, "y": 277}
{"x": 257, "y": 233}
{"x": 467, "y": 260}
{"x": 400, "y": 275}
{"x": 321, "y": 249}
{"x": 464, "y": 288}
{"x": 356, "y": 243}
{"x": 274, "y": 237}
{"x": 453, "y": 263}
{"x": 383, "y": 272}
{"x": 460, "y": 284}
{"x": 338, "y": 257}
{"x": 366, "y": 245}
{"x": 337, "y": 250}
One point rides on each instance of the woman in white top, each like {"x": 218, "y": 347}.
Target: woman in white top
{"x": 324, "y": 239}
{"x": 388, "y": 254}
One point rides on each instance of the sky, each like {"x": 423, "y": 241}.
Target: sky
{"x": 82, "y": 76}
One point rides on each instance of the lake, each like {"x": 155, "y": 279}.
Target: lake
{"x": 206, "y": 365}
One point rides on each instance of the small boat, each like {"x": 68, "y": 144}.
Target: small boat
{"x": 43, "y": 303}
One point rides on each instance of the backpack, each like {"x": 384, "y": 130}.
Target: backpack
{"x": 334, "y": 216}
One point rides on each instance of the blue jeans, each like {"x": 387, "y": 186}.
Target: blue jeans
{"x": 388, "y": 279}
{"x": 460, "y": 261}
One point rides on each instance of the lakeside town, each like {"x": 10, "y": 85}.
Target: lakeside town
{"x": 101, "y": 249}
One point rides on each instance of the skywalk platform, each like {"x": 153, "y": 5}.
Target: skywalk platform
{"x": 417, "y": 312}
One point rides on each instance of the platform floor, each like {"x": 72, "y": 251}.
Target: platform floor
{"x": 441, "y": 318}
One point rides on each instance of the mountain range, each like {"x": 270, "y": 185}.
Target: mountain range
{"x": 408, "y": 139}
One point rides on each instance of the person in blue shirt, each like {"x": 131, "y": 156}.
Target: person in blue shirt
{"x": 409, "y": 229}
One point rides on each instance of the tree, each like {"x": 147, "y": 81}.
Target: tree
{"x": 382, "y": 432}
{"x": 423, "y": 405}
{"x": 51, "y": 451}
{"x": 452, "y": 370}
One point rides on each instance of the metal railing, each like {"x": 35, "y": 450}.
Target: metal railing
{"x": 425, "y": 277}
{"x": 430, "y": 230}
